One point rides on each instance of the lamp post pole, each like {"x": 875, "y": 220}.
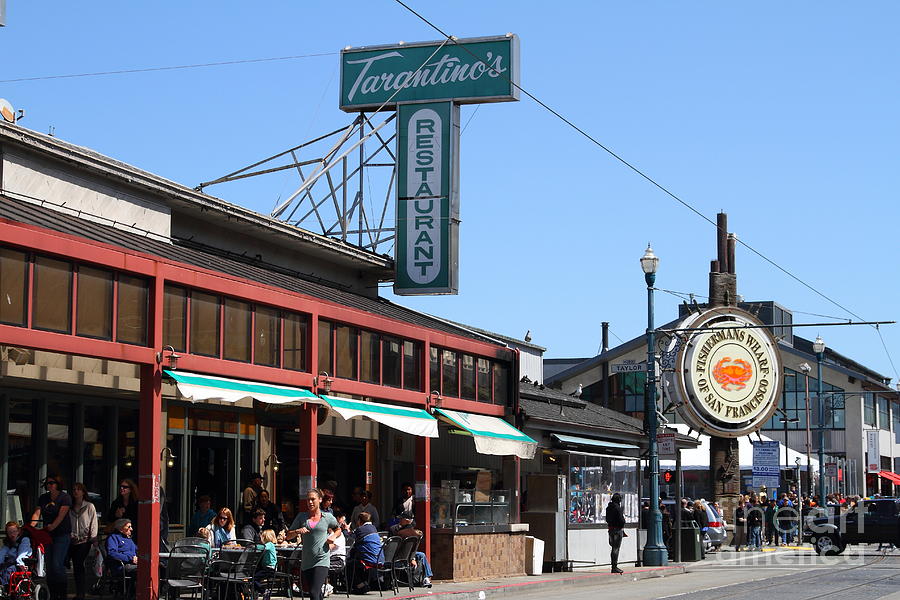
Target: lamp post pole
{"x": 819, "y": 349}
{"x": 655, "y": 553}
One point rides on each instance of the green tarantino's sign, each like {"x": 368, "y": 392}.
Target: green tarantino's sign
{"x": 464, "y": 71}
{"x": 426, "y": 248}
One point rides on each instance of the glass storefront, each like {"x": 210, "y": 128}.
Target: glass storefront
{"x": 593, "y": 480}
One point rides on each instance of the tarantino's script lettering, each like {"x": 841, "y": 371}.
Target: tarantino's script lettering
{"x": 447, "y": 69}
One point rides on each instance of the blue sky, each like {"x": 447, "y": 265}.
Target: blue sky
{"x": 782, "y": 114}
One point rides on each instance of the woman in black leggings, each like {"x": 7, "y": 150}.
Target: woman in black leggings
{"x": 316, "y": 532}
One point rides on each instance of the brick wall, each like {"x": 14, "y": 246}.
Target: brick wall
{"x": 462, "y": 557}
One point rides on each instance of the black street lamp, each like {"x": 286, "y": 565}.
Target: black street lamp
{"x": 655, "y": 552}
{"x": 819, "y": 349}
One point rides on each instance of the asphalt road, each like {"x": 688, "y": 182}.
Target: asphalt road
{"x": 862, "y": 573}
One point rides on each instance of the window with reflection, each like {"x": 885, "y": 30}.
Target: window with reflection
{"x": 484, "y": 380}
{"x": 59, "y": 444}
{"x": 204, "y": 324}
{"x": 52, "y": 303}
{"x": 295, "y": 340}
{"x": 501, "y": 383}
{"x": 467, "y": 380}
{"x": 370, "y": 357}
{"x": 449, "y": 374}
{"x": 411, "y": 374}
{"x": 326, "y": 347}
{"x": 175, "y": 317}
{"x": 434, "y": 369}
{"x": 592, "y": 482}
{"x": 884, "y": 413}
{"x": 132, "y": 308}
{"x": 13, "y": 286}
{"x": 237, "y": 330}
{"x": 266, "y": 336}
{"x": 390, "y": 353}
{"x": 346, "y": 340}
{"x": 93, "y": 313}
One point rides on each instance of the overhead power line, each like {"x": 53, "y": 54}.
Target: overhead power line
{"x": 170, "y": 68}
{"x": 648, "y": 178}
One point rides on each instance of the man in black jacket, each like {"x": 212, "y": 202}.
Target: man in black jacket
{"x": 615, "y": 521}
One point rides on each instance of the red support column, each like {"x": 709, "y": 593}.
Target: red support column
{"x": 309, "y": 447}
{"x": 423, "y": 492}
{"x": 149, "y": 468}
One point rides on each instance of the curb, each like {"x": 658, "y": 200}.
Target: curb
{"x": 473, "y": 591}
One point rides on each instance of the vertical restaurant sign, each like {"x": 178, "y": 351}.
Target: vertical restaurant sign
{"x": 426, "y": 248}
{"x": 466, "y": 71}
{"x": 873, "y": 451}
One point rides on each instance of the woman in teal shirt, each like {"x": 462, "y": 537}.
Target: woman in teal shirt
{"x": 316, "y": 535}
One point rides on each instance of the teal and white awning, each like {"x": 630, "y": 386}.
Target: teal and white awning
{"x": 492, "y": 435}
{"x": 582, "y": 441}
{"x": 195, "y": 387}
{"x": 408, "y": 420}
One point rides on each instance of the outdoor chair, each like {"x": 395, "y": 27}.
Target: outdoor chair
{"x": 386, "y": 569}
{"x": 235, "y": 573}
{"x": 284, "y": 573}
{"x": 404, "y": 558}
{"x": 186, "y": 572}
{"x": 190, "y": 541}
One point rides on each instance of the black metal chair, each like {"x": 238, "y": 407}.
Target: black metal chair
{"x": 237, "y": 570}
{"x": 190, "y": 541}
{"x": 114, "y": 578}
{"x": 385, "y": 569}
{"x": 186, "y": 570}
{"x": 404, "y": 558}
{"x": 285, "y": 573}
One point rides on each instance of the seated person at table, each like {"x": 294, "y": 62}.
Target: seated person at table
{"x": 203, "y": 517}
{"x": 15, "y": 549}
{"x": 274, "y": 518}
{"x": 223, "y": 528}
{"x": 366, "y": 550}
{"x": 338, "y": 545}
{"x": 267, "y": 563}
{"x": 252, "y": 529}
{"x": 207, "y": 534}
{"x": 121, "y": 550}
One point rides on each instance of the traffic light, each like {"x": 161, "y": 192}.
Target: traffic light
{"x": 668, "y": 476}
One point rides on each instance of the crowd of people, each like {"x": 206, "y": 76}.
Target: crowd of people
{"x": 67, "y": 526}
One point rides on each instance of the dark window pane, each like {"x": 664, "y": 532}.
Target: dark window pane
{"x": 501, "y": 384}
{"x": 13, "y": 278}
{"x": 174, "y": 317}
{"x": 347, "y": 340}
{"x": 204, "y": 324}
{"x": 237, "y": 330}
{"x": 434, "y": 369}
{"x": 266, "y": 337}
{"x": 325, "y": 347}
{"x": 52, "y": 294}
{"x": 449, "y": 374}
{"x": 468, "y": 377}
{"x": 411, "y": 361}
{"x": 131, "y": 321}
{"x": 295, "y": 327}
{"x": 370, "y": 357}
{"x": 484, "y": 380}
{"x": 22, "y": 467}
{"x": 59, "y": 443}
{"x": 96, "y": 471}
{"x": 93, "y": 316}
{"x": 390, "y": 354}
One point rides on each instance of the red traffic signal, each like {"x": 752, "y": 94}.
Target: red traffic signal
{"x": 668, "y": 476}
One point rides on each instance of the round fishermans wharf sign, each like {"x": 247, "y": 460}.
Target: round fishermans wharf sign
{"x": 727, "y": 373}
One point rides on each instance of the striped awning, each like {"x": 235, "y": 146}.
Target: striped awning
{"x": 492, "y": 435}
{"x": 582, "y": 441}
{"x": 402, "y": 418}
{"x": 892, "y": 477}
{"x": 195, "y": 387}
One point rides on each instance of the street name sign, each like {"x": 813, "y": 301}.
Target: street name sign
{"x": 628, "y": 366}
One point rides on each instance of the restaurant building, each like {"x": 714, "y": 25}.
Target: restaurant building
{"x": 152, "y": 332}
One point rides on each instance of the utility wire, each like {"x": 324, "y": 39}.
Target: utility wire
{"x": 169, "y": 68}
{"x": 643, "y": 175}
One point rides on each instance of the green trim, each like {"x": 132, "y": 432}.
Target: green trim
{"x": 235, "y": 385}
{"x": 518, "y": 436}
{"x": 383, "y": 409}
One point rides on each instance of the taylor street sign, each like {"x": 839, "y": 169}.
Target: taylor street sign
{"x": 466, "y": 71}
{"x": 426, "y": 253}
{"x": 628, "y": 366}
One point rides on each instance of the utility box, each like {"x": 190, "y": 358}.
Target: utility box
{"x": 691, "y": 540}
{"x": 534, "y": 555}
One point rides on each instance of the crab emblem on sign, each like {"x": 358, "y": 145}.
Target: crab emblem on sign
{"x": 735, "y": 372}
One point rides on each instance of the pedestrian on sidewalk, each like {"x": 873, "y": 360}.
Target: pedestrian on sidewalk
{"x": 771, "y": 533}
{"x": 755, "y": 518}
{"x": 740, "y": 524}
{"x": 615, "y": 521}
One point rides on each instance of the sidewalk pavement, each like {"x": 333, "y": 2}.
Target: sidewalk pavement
{"x": 559, "y": 583}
